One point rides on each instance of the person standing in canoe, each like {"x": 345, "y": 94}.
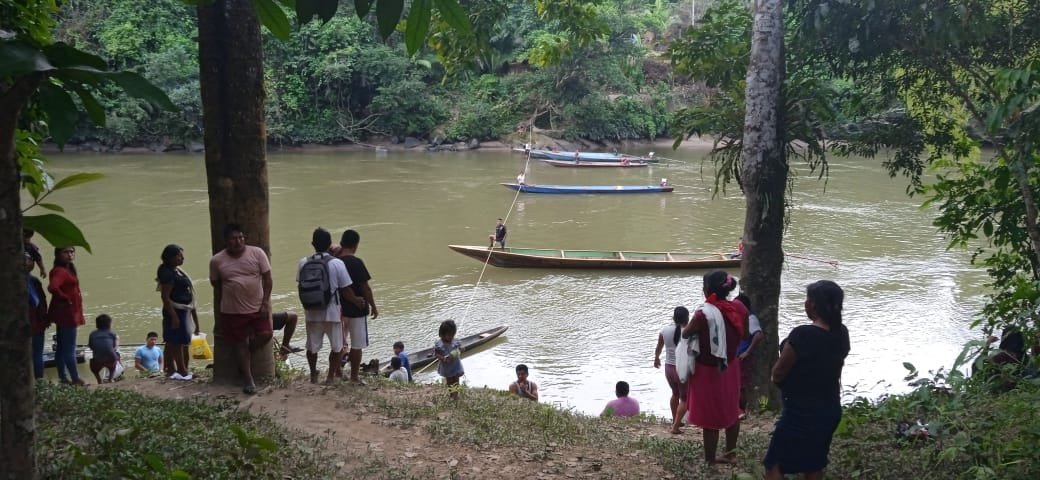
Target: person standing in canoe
{"x": 499, "y": 236}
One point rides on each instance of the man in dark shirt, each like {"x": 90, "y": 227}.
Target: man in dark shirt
{"x": 499, "y": 236}
{"x": 355, "y": 319}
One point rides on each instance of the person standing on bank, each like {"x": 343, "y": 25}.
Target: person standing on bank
{"x": 241, "y": 279}
{"x": 499, "y": 236}
{"x": 667, "y": 340}
{"x": 359, "y": 301}
{"x": 324, "y": 286}
{"x": 809, "y": 376}
{"x": 713, "y": 388}
{"x": 66, "y": 312}
{"x": 38, "y": 321}
{"x": 178, "y": 306}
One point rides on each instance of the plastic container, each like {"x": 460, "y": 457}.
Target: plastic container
{"x": 200, "y": 347}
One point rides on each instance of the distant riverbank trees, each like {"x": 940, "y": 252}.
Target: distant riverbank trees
{"x": 582, "y": 70}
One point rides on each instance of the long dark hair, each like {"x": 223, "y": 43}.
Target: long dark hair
{"x": 720, "y": 283}
{"x": 827, "y": 299}
{"x": 168, "y": 253}
{"x": 681, "y": 317}
{"x": 59, "y": 263}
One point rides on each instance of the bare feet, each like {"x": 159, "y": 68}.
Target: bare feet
{"x": 727, "y": 459}
{"x": 676, "y": 431}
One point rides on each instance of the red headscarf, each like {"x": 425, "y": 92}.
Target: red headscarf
{"x": 729, "y": 309}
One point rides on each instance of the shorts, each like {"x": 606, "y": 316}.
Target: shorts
{"x": 672, "y": 375}
{"x": 356, "y": 328}
{"x": 238, "y": 327}
{"x": 279, "y": 320}
{"x": 317, "y": 330}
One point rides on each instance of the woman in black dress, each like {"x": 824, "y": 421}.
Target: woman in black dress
{"x": 178, "y": 306}
{"x": 809, "y": 376}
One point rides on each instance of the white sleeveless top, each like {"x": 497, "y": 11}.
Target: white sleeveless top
{"x": 668, "y": 333}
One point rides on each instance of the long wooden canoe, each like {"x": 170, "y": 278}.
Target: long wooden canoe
{"x": 422, "y": 358}
{"x": 595, "y": 259}
{"x": 561, "y": 163}
{"x": 579, "y": 189}
{"x": 589, "y": 156}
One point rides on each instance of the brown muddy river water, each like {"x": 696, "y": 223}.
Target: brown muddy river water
{"x": 907, "y": 298}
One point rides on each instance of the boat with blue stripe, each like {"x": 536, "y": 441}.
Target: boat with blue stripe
{"x": 597, "y": 189}
{"x": 590, "y": 156}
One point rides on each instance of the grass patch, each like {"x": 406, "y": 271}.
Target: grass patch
{"x": 490, "y": 418}
{"x": 113, "y": 433}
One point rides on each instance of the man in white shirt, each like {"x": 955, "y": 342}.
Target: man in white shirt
{"x": 325, "y": 321}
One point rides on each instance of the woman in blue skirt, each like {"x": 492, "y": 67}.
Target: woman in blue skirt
{"x": 809, "y": 376}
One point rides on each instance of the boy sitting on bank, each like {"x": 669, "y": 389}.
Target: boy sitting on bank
{"x": 148, "y": 359}
{"x": 104, "y": 348}
{"x": 397, "y": 374}
{"x": 406, "y": 364}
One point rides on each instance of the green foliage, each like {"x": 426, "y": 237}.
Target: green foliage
{"x": 111, "y": 433}
{"x": 964, "y": 69}
{"x": 717, "y": 51}
{"x": 51, "y": 73}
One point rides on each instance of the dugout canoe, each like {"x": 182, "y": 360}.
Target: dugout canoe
{"x": 425, "y": 357}
{"x": 48, "y": 357}
{"x": 590, "y": 156}
{"x": 561, "y": 163}
{"x": 579, "y": 189}
{"x": 595, "y": 259}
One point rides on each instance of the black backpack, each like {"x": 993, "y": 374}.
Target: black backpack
{"x": 314, "y": 283}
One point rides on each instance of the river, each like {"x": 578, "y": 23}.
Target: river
{"x": 908, "y": 299}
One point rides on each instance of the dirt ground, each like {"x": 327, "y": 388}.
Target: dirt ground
{"x": 365, "y": 440}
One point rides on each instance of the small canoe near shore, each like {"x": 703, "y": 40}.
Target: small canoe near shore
{"x": 561, "y": 163}
{"x": 48, "y": 357}
{"x": 579, "y": 189}
{"x": 425, "y": 357}
{"x": 510, "y": 257}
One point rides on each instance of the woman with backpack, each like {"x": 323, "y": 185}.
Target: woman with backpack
{"x": 178, "y": 305}
{"x": 809, "y": 376}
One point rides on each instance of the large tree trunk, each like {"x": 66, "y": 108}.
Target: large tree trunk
{"x": 17, "y": 395}
{"x": 764, "y": 176}
{"x": 231, "y": 75}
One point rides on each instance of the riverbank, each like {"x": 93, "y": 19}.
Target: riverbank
{"x": 662, "y": 146}
{"x": 383, "y": 430}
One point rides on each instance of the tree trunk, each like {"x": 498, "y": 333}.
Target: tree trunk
{"x": 18, "y": 396}
{"x": 231, "y": 76}
{"x": 764, "y": 175}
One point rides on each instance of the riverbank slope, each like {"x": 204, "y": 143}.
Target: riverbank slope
{"x": 392, "y": 431}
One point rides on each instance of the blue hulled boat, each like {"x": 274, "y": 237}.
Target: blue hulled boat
{"x": 590, "y": 156}
{"x": 577, "y": 189}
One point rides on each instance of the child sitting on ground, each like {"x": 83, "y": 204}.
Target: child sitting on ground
{"x": 104, "y": 348}
{"x": 148, "y": 359}
{"x": 406, "y": 364}
{"x": 397, "y": 373}
{"x": 448, "y": 349}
